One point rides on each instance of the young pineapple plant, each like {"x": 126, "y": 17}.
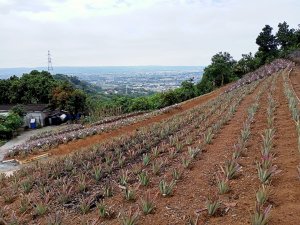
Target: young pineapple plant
{"x": 97, "y": 173}
{"x": 129, "y": 218}
{"x": 265, "y": 174}
{"x": 186, "y": 162}
{"x": 262, "y": 195}
{"x": 222, "y": 184}
{"x": 193, "y": 152}
{"x": 146, "y": 159}
{"x": 261, "y": 217}
{"x": 124, "y": 177}
{"x": 165, "y": 188}
{"x": 208, "y": 136}
{"x": 267, "y": 141}
{"x": 212, "y": 206}
{"x": 231, "y": 168}
{"x": 129, "y": 194}
{"x": 144, "y": 178}
{"x": 85, "y": 205}
{"x": 177, "y": 174}
{"x": 156, "y": 166}
{"x": 103, "y": 210}
{"x": 147, "y": 204}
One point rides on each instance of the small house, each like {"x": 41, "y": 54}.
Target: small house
{"x": 35, "y": 114}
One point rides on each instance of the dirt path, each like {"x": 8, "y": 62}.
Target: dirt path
{"x": 92, "y": 140}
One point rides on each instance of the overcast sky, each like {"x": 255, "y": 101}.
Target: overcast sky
{"x": 134, "y": 32}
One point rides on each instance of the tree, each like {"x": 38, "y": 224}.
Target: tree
{"x": 245, "y": 65}
{"x": 267, "y": 44}
{"x": 65, "y": 97}
{"x": 220, "y": 71}
{"x": 285, "y": 36}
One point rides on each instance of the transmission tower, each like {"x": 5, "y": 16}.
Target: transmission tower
{"x": 50, "y": 68}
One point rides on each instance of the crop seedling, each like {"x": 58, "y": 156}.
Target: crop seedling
{"x": 103, "y": 210}
{"x": 121, "y": 160}
{"x": 208, "y": 136}
{"x": 186, "y": 162}
{"x": 27, "y": 185}
{"x": 230, "y": 169}
{"x": 56, "y": 219}
{"x": 267, "y": 141}
{"x": 156, "y": 167}
{"x": 165, "y": 188}
{"x": 155, "y": 152}
{"x": 262, "y": 195}
{"x": 212, "y": 206}
{"x": 129, "y": 218}
{"x": 108, "y": 192}
{"x": 146, "y": 159}
{"x": 193, "y": 152}
{"x": 24, "y": 204}
{"x": 223, "y": 185}
{"x": 245, "y": 132}
{"x": 124, "y": 178}
{"x": 176, "y": 174}
{"x": 97, "y": 173}
{"x": 265, "y": 174}
{"x": 129, "y": 194}
{"x": 82, "y": 184}
{"x": 144, "y": 178}
{"x": 172, "y": 153}
{"x": 147, "y": 204}
{"x": 41, "y": 207}
{"x": 261, "y": 217}
{"x": 85, "y": 205}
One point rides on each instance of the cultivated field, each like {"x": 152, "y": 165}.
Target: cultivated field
{"x": 229, "y": 157}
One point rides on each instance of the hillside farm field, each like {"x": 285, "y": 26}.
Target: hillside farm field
{"x": 229, "y": 157}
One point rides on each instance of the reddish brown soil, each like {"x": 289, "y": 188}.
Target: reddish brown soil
{"x": 199, "y": 183}
{"x": 295, "y": 80}
{"x": 84, "y": 143}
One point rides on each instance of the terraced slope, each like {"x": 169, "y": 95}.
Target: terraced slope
{"x": 176, "y": 161}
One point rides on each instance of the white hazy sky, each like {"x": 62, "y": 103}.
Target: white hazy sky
{"x": 134, "y": 32}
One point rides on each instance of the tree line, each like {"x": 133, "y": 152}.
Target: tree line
{"x": 42, "y": 88}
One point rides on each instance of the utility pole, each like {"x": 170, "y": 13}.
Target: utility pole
{"x": 50, "y": 68}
